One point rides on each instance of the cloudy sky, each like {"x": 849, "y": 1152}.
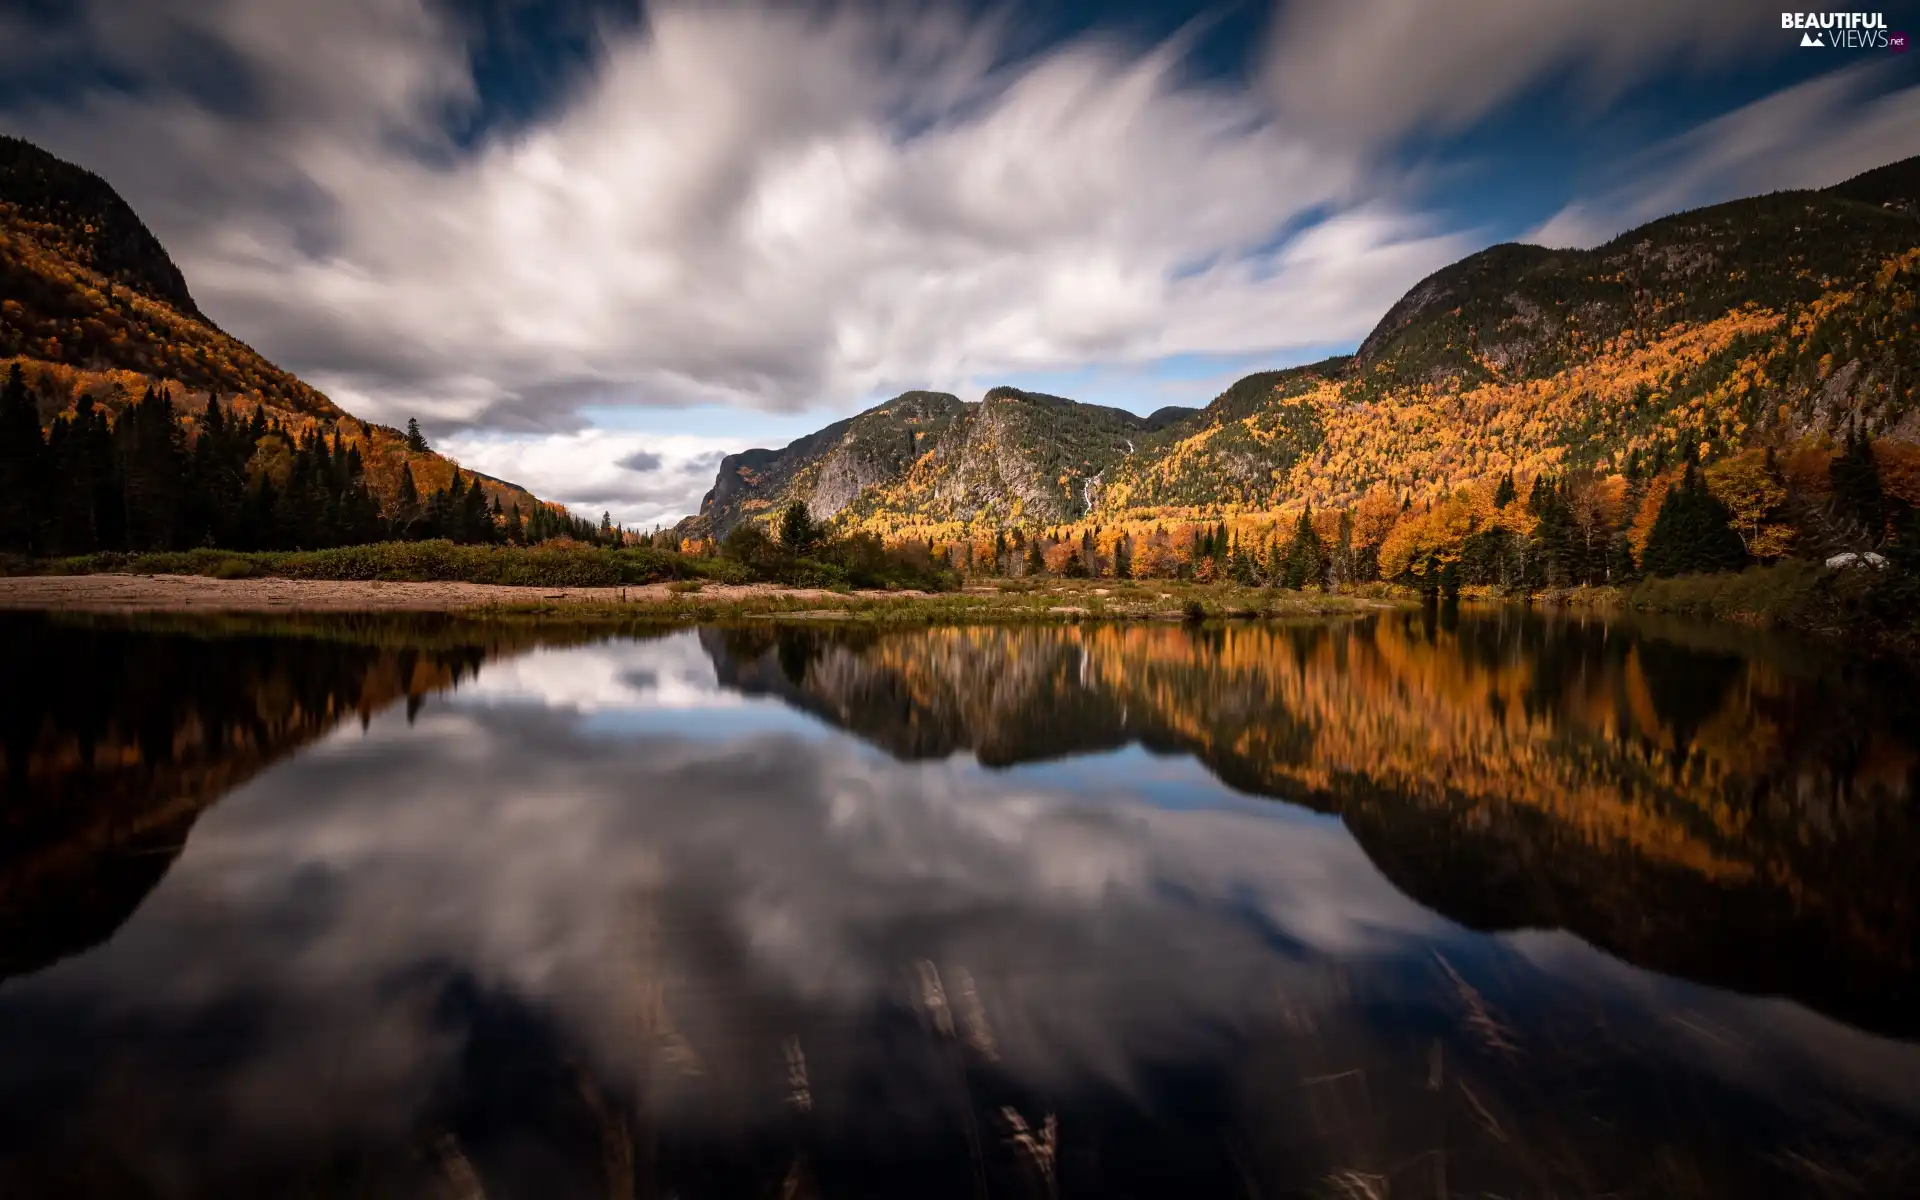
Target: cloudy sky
{"x": 593, "y": 244}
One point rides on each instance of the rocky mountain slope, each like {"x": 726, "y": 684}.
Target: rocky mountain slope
{"x": 1010, "y": 458}
{"x": 91, "y": 304}
{"x": 1754, "y": 322}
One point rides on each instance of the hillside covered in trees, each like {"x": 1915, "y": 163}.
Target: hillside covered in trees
{"x": 130, "y": 421}
{"x": 1721, "y": 387}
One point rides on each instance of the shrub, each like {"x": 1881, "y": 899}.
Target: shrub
{"x": 746, "y": 557}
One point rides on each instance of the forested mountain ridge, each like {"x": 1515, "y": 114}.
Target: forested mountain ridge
{"x": 100, "y": 324}
{"x": 1753, "y": 322}
{"x": 1760, "y": 323}
{"x": 75, "y": 212}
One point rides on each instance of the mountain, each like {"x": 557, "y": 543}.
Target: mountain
{"x": 91, "y": 304}
{"x": 1013, "y": 457}
{"x": 1756, "y": 322}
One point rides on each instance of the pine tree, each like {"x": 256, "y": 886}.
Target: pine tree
{"x": 1306, "y": 557}
{"x": 23, "y": 467}
{"x": 797, "y": 530}
{"x": 476, "y": 519}
{"x": 1343, "y": 550}
{"x": 1036, "y": 561}
{"x": 149, "y": 446}
{"x": 1554, "y": 544}
{"x": 416, "y": 441}
{"x": 1620, "y": 564}
{"x": 1693, "y": 532}
{"x": 73, "y": 529}
{"x": 1506, "y": 493}
{"x": 1857, "y": 494}
{"x": 1122, "y": 558}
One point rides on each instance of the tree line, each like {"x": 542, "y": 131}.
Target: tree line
{"x": 1562, "y": 529}
{"x": 143, "y": 480}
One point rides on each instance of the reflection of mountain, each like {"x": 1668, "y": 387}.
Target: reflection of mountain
{"x": 1742, "y": 821}
{"x": 113, "y": 742}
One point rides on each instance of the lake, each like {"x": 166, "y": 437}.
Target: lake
{"x": 1419, "y": 904}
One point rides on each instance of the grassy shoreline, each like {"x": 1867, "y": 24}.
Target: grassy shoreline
{"x": 1008, "y": 601}
{"x": 1804, "y": 597}
{"x": 638, "y": 585}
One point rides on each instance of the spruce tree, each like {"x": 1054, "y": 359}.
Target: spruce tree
{"x": 1693, "y": 532}
{"x": 1343, "y": 549}
{"x": 416, "y": 441}
{"x": 1506, "y": 493}
{"x": 1620, "y": 564}
{"x": 477, "y": 519}
{"x": 150, "y": 447}
{"x": 1306, "y": 557}
{"x": 23, "y": 467}
{"x": 1858, "y": 497}
{"x": 797, "y": 532}
{"x": 1554, "y": 543}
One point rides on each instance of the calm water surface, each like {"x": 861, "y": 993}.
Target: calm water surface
{"x": 1422, "y": 905}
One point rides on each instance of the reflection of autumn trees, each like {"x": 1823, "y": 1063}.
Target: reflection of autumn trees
{"x": 1610, "y": 767}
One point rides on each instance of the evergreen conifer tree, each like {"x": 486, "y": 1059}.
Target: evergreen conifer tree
{"x": 797, "y": 532}
{"x": 1692, "y": 532}
{"x": 23, "y": 467}
{"x": 1506, "y": 493}
{"x": 1306, "y": 557}
{"x": 1858, "y": 497}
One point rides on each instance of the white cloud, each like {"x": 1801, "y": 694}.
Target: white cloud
{"x": 1811, "y": 135}
{"x": 749, "y": 207}
{"x": 643, "y": 479}
{"x": 1370, "y": 71}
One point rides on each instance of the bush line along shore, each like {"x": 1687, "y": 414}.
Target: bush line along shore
{"x": 575, "y": 582}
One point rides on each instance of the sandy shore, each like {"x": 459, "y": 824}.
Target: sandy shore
{"x": 197, "y": 593}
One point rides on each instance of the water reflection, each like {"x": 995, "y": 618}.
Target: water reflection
{"x": 641, "y": 918}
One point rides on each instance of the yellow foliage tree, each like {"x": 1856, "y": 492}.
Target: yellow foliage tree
{"x": 1748, "y": 488}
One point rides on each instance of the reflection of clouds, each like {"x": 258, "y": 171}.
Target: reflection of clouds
{"x": 766, "y": 883}
{"x": 496, "y": 838}
{"x": 672, "y": 673}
